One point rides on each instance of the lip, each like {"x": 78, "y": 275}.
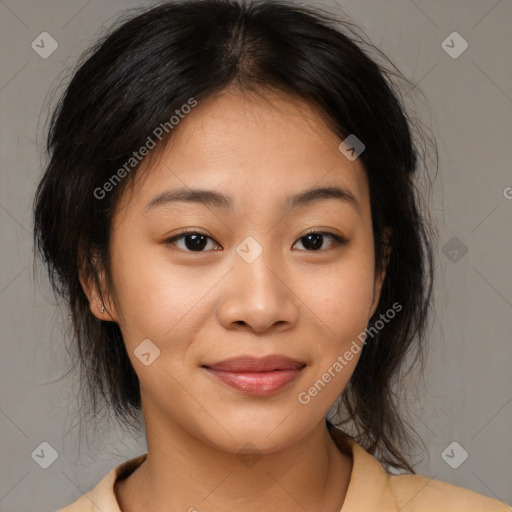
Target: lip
{"x": 257, "y": 364}
{"x": 258, "y": 376}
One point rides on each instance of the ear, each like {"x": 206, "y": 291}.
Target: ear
{"x": 381, "y": 274}
{"x": 95, "y": 288}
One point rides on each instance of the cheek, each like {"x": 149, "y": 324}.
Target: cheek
{"x": 144, "y": 304}
{"x": 342, "y": 302}
{"x": 156, "y": 300}
{"x": 346, "y": 299}
{"x": 343, "y": 295}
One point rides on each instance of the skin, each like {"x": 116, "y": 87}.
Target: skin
{"x": 204, "y": 307}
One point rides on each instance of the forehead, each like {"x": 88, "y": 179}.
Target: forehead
{"x": 251, "y": 146}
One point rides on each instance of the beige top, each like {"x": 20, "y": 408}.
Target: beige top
{"x": 371, "y": 489}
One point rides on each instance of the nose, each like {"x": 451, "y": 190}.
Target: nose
{"x": 258, "y": 296}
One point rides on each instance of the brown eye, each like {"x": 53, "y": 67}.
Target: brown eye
{"x": 314, "y": 241}
{"x": 193, "y": 241}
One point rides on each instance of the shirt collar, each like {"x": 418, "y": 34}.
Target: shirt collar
{"x": 369, "y": 489}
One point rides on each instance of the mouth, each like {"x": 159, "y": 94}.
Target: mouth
{"x": 259, "y": 376}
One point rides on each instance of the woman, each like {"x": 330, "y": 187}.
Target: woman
{"x": 230, "y": 212}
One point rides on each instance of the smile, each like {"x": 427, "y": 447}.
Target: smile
{"x": 257, "y": 383}
{"x": 257, "y": 376}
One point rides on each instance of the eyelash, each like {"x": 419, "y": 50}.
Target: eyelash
{"x": 337, "y": 239}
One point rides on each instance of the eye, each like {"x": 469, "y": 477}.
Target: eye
{"x": 314, "y": 240}
{"x": 194, "y": 241}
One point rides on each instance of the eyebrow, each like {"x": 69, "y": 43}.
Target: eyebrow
{"x": 219, "y": 200}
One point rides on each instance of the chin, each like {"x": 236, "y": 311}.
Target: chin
{"x": 256, "y": 435}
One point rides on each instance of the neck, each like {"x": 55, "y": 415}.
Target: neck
{"x": 312, "y": 474}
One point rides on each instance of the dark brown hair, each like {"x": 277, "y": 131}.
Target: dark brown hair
{"x": 150, "y": 65}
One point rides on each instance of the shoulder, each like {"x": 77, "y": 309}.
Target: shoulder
{"x": 420, "y": 494}
{"x": 103, "y": 498}
{"x": 373, "y": 488}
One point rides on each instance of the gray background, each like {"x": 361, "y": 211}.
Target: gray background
{"x": 468, "y": 392}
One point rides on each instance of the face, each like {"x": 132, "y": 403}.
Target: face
{"x": 257, "y": 274}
